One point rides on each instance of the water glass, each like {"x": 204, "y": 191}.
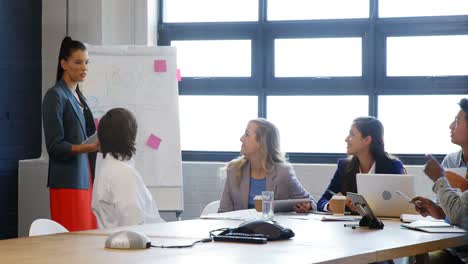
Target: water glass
{"x": 267, "y": 205}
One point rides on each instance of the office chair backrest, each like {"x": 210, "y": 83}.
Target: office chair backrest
{"x": 45, "y": 227}
{"x": 211, "y": 208}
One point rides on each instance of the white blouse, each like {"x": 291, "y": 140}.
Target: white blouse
{"x": 120, "y": 197}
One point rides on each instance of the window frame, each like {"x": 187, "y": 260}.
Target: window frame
{"x": 262, "y": 83}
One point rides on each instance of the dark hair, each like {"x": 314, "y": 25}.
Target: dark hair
{"x": 117, "y": 133}
{"x": 370, "y": 126}
{"x": 67, "y": 47}
{"x": 464, "y": 107}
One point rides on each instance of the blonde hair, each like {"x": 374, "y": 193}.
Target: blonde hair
{"x": 267, "y": 135}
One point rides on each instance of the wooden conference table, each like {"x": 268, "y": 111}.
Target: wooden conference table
{"x": 315, "y": 242}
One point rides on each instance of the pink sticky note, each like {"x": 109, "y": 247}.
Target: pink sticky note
{"x": 160, "y": 66}
{"x": 153, "y": 141}
{"x": 96, "y": 122}
{"x": 179, "y": 77}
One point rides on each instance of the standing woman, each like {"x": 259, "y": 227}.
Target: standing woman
{"x": 68, "y": 121}
{"x": 261, "y": 168}
{"x": 366, "y": 150}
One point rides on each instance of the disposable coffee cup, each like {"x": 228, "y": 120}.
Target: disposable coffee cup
{"x": 338, "y": 203}
{"x": 258, "y": 203}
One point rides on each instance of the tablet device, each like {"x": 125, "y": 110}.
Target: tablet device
{"x": 280, "y": 206}
{"x": 368, "y": 217}
{"x": 287, "y": 205}
{"x": 92, "y": 139}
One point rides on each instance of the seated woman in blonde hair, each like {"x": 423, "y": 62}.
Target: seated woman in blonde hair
{"x": 261, "y": 168}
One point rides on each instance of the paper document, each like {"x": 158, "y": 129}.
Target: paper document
{"x": 422, "y": 223}
{"x": 325, "y": 218}
{"x": 433, "y": 227}
{"x": 92, "y": 139}
{"x": 409, "y": 218}
{"x": 242, "y": 215}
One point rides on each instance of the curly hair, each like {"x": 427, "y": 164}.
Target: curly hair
{"x": 117, "y": 134}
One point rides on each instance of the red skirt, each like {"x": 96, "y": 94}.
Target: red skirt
{"x": 72, "y": 207}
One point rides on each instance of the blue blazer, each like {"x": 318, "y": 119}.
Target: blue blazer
{"x": 340, "y": 183}
{"x": 64, "y": 125}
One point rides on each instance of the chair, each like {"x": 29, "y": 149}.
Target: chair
{"x": 45, "y": 227}
{"x": 211, "y": 208}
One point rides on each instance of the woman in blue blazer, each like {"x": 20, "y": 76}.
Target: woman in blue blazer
{"x": 365, "y": 147}
{"x": 68, "y": 121}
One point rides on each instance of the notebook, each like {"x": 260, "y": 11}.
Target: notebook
{"x": 433, "y": 227}
{"x": 409, "y": 218}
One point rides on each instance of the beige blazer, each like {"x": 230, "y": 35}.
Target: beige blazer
{"x": 281, "y": 180}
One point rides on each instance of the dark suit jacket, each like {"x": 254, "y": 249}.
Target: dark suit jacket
{"x": 65, "y": 125}
{"x": 281, "y": 180}
{"x": 343, "y": 184}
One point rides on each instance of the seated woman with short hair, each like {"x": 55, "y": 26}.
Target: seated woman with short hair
{"x": 120, "y": 197}
{"x": 261, "y": 168}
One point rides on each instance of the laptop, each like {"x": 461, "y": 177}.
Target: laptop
{"x": 379, "y": 191}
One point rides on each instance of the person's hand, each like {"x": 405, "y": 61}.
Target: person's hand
{"x": 433, "y": 170}
{"x": 95, "y": 146}
{"x": 303, "y": 207}
{"x": 427, "y": 207}
{"x": 86, "y": 148}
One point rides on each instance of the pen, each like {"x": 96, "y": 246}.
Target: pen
{"x": 353, "y": 226}
{"x": 404, "y": 196}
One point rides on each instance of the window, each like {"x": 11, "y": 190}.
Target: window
{"x": 215, "y": 123}
{"x": 321, "y": 9}
{"x": 177, "y": 11}
{"x": 321, "y": 57}
{"x": 305, "y": 128}
{"x": 427, "y": 56}
{"x": 419, "y": 8}
{"x": 214, "y": 58}
{"x": 311, "y": 67}
{"x": 418, "y": 123}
